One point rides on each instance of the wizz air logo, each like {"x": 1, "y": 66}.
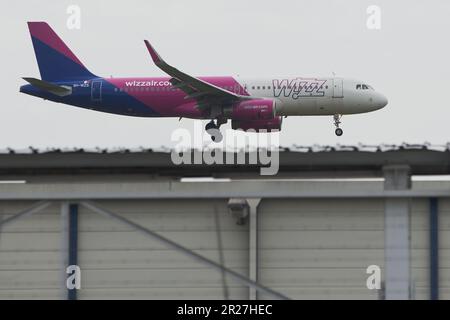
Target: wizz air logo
{"x": 298, "y": 87}
{"x": 152, "y": 83}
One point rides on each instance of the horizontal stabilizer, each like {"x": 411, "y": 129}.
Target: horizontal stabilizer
{"x": 50, "y": 87}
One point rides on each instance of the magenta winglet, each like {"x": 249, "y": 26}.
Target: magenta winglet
{"x": 44, "y": 33}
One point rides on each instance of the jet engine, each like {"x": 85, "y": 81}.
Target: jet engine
{"x": 257, "y": 109}
{"x": 258, "y": 125}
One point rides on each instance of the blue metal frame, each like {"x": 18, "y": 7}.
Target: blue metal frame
{"x": 73, "y": 244}
{"x": 434, "y": 249}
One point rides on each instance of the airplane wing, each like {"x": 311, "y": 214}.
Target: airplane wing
{"x": 193, "y": 87}
{"x": 50, "y": 87}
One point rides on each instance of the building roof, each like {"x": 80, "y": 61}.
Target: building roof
{"x": 338, "y": 160}
{"x": 293, "y": 148}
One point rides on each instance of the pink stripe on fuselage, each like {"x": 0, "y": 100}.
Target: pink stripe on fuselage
{"x": 43, "y": 32}
{"x": 168, "y": 102}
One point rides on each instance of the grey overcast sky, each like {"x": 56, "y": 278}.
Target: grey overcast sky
{"x": 408, "y": 60}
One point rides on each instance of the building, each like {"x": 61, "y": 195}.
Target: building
{"x": 140, "y": 227}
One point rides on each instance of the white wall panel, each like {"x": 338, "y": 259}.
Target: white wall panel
{"x": 320, "y": 248}
{"x": 30, "y": 255}
{"x": 116, "y": 259}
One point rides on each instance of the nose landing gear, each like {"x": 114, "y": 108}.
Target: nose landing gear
{"x": 337, "y": 122}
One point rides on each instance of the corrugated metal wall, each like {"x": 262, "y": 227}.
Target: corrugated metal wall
{"x": 118, "y": 262}
{"x": 420, "y": 245}
{"x": 420, "y": 248}
{"x": 444, "y": 249}
{"x": 308, "y": 249}
{"x": 30, "y": 253}
{"x": 321, "y": 248}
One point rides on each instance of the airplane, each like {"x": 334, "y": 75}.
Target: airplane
{"x": 251, "y": 104}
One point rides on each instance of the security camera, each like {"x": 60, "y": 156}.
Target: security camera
{"x": 239, "y": 209}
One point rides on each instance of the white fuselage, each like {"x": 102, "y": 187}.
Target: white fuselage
{"x": 316, "y": 96}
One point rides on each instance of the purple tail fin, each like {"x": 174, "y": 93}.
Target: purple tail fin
{"x": 56, "y": 61}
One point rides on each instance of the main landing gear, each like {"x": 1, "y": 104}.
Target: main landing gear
{"x": 337, "y": 122}
{"x": 213, "y": 129}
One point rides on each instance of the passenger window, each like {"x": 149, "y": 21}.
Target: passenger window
{"x": 264, "y": 87}
{"x": 364, "y": 87}
{"x": 358, "y": 87}
{"x": 258, "y": 87}
{"x": 253, "y": 87}
{"x": 268, "y": 87}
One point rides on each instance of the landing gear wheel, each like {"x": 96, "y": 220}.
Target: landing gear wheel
{"x": 216, "y": 135}
{"x": 337, "y": 122}
{"x": 210, "y": 125}
{"x": 213, "y": 130}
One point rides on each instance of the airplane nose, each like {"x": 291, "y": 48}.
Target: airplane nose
{"x": 379, "y": 101}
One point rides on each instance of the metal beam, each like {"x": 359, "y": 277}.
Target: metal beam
{"x": 64, "y": 225}
{"x": 206, "y": 190}
{"x": 397, "y": 235}
{"x": 253, "y": 245}
{"x": 73, "y": 244}
{"x": 238, "y": 277}
{"x": 27, "y": 212}
{"x": 434, "y": 249}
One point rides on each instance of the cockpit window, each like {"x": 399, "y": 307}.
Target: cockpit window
{"x": 363, "y": 87}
